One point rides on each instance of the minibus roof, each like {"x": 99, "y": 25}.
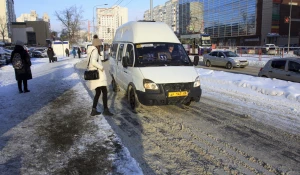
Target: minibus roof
{"x": 145, "y": 32}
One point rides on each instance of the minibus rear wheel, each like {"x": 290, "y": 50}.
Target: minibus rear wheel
{"x": 133, "y": 100}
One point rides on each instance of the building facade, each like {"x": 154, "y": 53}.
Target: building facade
{"x": 32, "y": 33}
{"x": 165, "y": 13}
{"x": 108, "y": 20}
{"x": 7, "y": 16}
{"x": 239, "y": 22}
{"x": 33, "y": 16}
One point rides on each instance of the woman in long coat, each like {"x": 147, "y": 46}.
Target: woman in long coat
{"x": 50, "y": 54}
{"x": 100, "y": 85}
{"x": 24, "y": 74}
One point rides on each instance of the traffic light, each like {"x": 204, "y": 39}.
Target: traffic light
{"x": 286, "y": 19}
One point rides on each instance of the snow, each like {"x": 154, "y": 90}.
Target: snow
{"x": 256, "y": 91}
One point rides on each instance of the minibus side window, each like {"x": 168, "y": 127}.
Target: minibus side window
{"x": 129, "y": 52}
{"x": 120, "y": 52}
{"x": 114, "y": 50}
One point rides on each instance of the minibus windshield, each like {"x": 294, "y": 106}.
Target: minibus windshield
{"x": 161, "y": 54}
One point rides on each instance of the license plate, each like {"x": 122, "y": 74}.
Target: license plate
{"x": 178, "y": 94}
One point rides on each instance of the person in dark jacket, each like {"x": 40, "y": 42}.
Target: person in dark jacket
{"x": 79, "y": 52}
{"x": 50, "y": 54}
{"x": 24, "y": 74}
{"x": 67, "y": 52}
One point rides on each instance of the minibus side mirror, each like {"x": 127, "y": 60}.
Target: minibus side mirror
{"x": 196, "y": 60}
{"x": 125, "y": 61}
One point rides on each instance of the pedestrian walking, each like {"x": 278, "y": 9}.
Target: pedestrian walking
{"x": 67, "y": 52}
{"x": 74, "y": 52}
{"x": 100, "y": 85}
{"x": 20, "y": 60}
{"x": 50, "y": 54}
{"x": 79, "y": 52}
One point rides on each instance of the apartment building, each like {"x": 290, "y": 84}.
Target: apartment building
{"x": 166, "y": 13}
{"x": 170, "y": 14}
{"x": 108, "y": 20}
{"x": 33, "y": 16}
{"x": 7, "y": 16}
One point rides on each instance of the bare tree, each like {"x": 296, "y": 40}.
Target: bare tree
{"x": 3, "y": 27}
{"x": 70, "y": 18}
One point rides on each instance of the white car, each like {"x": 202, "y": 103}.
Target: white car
{"x": 227, "y": 59}
{"x": 269, "y": 49}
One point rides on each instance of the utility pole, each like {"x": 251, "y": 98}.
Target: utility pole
{"x": 151, "y": 10}
{"x": 290, "y": 20}
{"x": 89, "y": 27}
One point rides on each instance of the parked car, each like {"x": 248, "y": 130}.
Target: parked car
{"x": 242, "y": 50}
{"x": 269, "y": 49}
{"x": 2, "y": 56}
{"x": 297, "y": 52}
{"x": 7, "y": 55}
{"x": 39, "y": 53}
{"x": 282, "y": 68}
{"x": 30, "y": 50}
{"x": 228, "y": 59}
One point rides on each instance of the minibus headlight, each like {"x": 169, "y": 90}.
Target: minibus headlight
{"x": 148, "y": 84}
{"x": 197, "y": 82}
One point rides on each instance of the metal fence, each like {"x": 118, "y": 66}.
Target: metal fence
{"x": 261, "y": 50}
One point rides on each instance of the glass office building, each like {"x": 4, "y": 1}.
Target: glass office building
{"x": 224, "y": 20}
{"x": 239, "y": 22}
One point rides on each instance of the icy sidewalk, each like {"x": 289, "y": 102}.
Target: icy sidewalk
{"x": 50, "y": 131}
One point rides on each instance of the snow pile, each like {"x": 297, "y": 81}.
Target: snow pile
{"x": 265, "y": 86}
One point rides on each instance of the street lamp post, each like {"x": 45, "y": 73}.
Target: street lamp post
{"x": 94, "y": 16}
{"x": 289, "y": 38}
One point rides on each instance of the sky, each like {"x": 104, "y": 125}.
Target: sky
{"x": 136, "y": 8}
{"x": 273, "y": 95}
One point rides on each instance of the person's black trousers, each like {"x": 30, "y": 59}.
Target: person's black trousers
{"x": 104, "y": 96}
{"x": 24, "y": 84}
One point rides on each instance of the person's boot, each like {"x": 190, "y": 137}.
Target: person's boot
{"x": 26, "y": 90}
{"x": 95, "y": 112}
{"x": 107, "y": 112}
{"x": 20, "y": 91}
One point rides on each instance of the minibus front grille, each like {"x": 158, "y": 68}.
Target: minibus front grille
{"x": 176, "y": 87}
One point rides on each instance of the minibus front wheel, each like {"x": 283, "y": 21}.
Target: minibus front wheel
{"x": 133, "y": 99}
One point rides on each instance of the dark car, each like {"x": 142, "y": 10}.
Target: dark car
{"x": 7, "y": 55}
{"x": 297, "y": 52}
{"x": 282, "y": 68}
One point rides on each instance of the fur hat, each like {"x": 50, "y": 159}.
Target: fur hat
{"x": 96, "y": 42}
{"x": 20, "y": 43}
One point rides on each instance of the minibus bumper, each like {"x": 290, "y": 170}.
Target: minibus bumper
{"x": 150, "y": 98}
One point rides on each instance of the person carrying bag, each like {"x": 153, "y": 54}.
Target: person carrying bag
{"x": 91, "y": 74}
{"x": 99, "y": 85}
